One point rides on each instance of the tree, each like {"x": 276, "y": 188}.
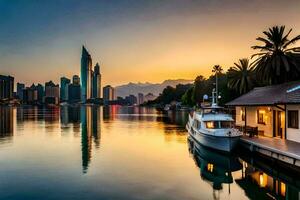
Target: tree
{"x": 199, "y": 89}
{"x": 277, "y": 61}
{"x": 167, "y": 95}
{"x": 217, "y": 69}
{"x": 187, "y": 97}
{"x": 240, "y": 76}
{"x": 170, "y": 94}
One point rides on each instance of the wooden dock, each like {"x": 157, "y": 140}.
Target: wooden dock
{"x": 283, "y": 150}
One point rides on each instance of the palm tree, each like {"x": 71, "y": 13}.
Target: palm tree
{"x": 240, "y": 76}
{"x": 217, "y": 69}
{"x": 277, "y": 60}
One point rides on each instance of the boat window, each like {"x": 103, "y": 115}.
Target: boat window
{"x": 197, "y": 124}
{"x": 218, "y": 124}
{"x": 212, "y": 124}
{"x": 226, "y": 124}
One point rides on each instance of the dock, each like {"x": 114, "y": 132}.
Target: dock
{"x": 284, "y": 150}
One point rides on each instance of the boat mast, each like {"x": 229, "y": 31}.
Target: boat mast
{"x": 216, "y": 88}
{"x": 215, "y": 93}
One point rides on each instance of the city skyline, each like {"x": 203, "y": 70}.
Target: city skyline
{"x": 170, "y": 41}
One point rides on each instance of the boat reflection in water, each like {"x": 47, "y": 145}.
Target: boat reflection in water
{"x": 215, "y": 168}
{"x": 257, "y": 176}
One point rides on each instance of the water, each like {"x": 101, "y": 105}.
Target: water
{"x": 123, "y": 153}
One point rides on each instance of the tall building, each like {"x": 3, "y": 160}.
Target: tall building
{"x": 140, "y": 98}
{"x": 74, "y": 91}
{"x": 131, "y": 99}
{"x": 64, "y": 87}
{"x": 51, "y": 93}
{"x": 20, "y": 88}
{"x": 86, "y": 75}
{"x": 76, "y": 80}
{"x": 6, "y": 87}
{"x": 96, "y": 85}
{"x": 30, "y": 95}
{"x": 108, "y": 94}
{"x": 40, "y": 92}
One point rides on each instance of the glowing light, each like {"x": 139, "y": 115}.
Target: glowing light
{"x": 209, "y": 125}
{"x": 282, "y": 189}
{"x": 210, "y": 167}
{"x": 262, "y": 111}
{"x": 262, "y": 180}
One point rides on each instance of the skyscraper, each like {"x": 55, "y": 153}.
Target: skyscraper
{"x": 74, "y": 90}
{"x": 86, "y": 72}
{"x": 64, "y": 87}
{"x": 76, "y": 80}
{"x": 51, "y": 93}
{"x": 96, "y": 86}
{"x": 108, "y": 94}
{"x": 140, "y": 98}
{"x": 6, "y": 87}
{"x": 40, "y": 92}
{"x": 20, "y": 88}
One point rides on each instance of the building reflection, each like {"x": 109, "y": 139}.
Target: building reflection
{"x": 262, "y": 179}
{"x": 109, "y": 112}
{"x": 64, "y": 116}
{"x": 29, "y": 114}
{"x": 90, "y": 130}
{"x": 6, "y": 122}
{"x": 74, "y": 117}
{"x": 51, "y": 115}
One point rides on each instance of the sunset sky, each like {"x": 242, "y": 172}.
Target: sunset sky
{"x": 134, "y": 41}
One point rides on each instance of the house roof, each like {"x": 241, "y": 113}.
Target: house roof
{"x": 286, "y": 93}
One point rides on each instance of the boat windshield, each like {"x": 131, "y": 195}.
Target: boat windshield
{"x": 218, "y": 124}
{"x": 213, "y": 110}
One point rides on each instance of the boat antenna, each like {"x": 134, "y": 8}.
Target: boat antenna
{"x": 214, "y": 102}
{"x": 216, "y": 70}
{"x": 217, "y": 94}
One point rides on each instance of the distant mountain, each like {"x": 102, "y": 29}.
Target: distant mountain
{"x": 145, "y": 88}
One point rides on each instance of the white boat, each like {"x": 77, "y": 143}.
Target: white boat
{"x": 213, "y": 128}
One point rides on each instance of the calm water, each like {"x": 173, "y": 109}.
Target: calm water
{"x": 123, "y": 153}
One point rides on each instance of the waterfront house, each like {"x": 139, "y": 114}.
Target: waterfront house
{"x": 273, "y": 110}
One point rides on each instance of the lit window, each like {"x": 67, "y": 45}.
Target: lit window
{"x": 243, "y": 115}
{"x": 212, "y": 124}
{"x": 263, "y": 181}
{"x": 282, "y": 189}
{"x": 261, "y": 117}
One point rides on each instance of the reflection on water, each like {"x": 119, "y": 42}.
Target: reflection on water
{"x": 214, "y": 167}
{"x": 90, "y": 122}
{"x": 6, "y": 124}
{"x": 113, "y": 152}
{"x": 265, "y": 179}
{"x": 259, "y": 180}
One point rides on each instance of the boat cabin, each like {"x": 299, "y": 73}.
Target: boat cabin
{"x": 272, "y": 110}
{"x": 213, "y": 118}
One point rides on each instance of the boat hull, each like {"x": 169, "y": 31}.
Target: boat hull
{"x": 225, "y": 144}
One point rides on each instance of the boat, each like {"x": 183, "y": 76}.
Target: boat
{"x": 212, "y": 127}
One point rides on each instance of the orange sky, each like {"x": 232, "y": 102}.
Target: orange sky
{"x": 160, "y": 42}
